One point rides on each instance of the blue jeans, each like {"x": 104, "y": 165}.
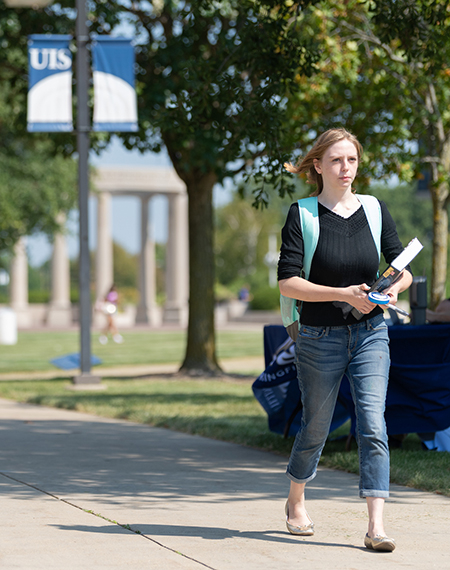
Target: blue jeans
{"x": 323, "y": 356}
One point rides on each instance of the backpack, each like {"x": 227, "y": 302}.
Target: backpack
{"x": 309, "y": 222}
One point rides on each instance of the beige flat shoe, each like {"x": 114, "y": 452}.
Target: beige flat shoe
{"x": 306, "y": 530}
{"x": 380, "y": 543}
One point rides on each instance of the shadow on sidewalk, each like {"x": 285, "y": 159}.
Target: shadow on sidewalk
{"x": 207, "y": 533}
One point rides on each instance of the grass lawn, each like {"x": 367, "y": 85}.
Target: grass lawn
{"x": 34, "y": 351}
{"x": 222, "y": 409}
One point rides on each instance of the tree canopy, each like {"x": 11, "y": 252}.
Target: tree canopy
{"x": 35, "y": 187}
{"x": 211, "y": 80}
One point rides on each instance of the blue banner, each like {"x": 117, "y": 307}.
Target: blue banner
{"x": 115, "y": 102}
{"x": 49, "y": 83}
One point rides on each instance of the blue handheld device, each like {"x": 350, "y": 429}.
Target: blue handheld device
{"x": 382, "y": 299}
{"x": 379, "y": 298}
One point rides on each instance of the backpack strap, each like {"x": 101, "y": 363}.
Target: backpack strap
{"x": 309, "y": 223}
{"x": 372, "y": 209}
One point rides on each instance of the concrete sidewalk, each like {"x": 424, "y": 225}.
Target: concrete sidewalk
{"x": 69, "y": 480}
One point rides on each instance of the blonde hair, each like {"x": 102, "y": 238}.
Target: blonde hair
{"x": 322, "y": 144}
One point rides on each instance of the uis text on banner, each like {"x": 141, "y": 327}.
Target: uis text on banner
{"x": 49, "y": 83}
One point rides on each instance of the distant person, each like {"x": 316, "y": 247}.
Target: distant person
{"x": 244, "y": 294}
{"x": 109, "y": 309}
{"x": 441, "y": 314}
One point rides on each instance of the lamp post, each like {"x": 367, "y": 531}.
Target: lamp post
{"x": 83, "y": 128}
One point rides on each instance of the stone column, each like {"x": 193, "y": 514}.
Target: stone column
{"x": 19, "y": 285}
{"x": 177, "y": 261}
{"x": 104, "y": 274}
{"x": 60, "y": 310}
{"x": 147, "y": 309}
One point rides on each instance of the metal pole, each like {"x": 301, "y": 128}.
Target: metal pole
{"x": 83, "y": 127}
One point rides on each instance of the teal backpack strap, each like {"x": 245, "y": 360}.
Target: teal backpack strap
{"x": 309, "y": 222}
{"x": 372, "y": 209}
{"x": 289, "y": 316}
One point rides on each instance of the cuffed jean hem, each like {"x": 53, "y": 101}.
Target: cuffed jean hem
{"x": 301, "y": 481}
{"x": 373, "y": 493}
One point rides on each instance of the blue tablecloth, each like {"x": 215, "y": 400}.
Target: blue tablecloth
{"x": 418, "y": 398}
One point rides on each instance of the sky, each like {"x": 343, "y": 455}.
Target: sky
{"x": 125, "y": 210}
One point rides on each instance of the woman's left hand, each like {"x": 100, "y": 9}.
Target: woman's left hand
{"x": 401, "y": 284}
{"x": 393, "y": 295}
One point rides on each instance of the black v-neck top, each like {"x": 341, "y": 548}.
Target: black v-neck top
{"x": 345, "y": 255}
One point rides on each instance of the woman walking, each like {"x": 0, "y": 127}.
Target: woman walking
{"x": 332, "y": 340}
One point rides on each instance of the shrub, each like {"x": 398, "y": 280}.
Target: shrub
{"x": 38, "y": 296}
{"x": 265, "y": 299}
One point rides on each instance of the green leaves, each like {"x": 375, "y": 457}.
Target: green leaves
{"x": 421, "y": 28}
{"x": 211, "y": 76}
{"x": 34, "y": 189}
{"x": 375, "y": 89}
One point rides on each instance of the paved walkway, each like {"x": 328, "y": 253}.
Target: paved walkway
{"x": 69, "y": 480}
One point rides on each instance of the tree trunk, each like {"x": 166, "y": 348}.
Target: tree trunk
{"x": 439, "y": 197}
{"x": 200, "y": 358}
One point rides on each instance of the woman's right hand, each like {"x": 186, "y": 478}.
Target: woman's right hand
{"x": 356, "y": 295}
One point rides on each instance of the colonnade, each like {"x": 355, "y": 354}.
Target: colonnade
{"x": 145, "y": 184}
